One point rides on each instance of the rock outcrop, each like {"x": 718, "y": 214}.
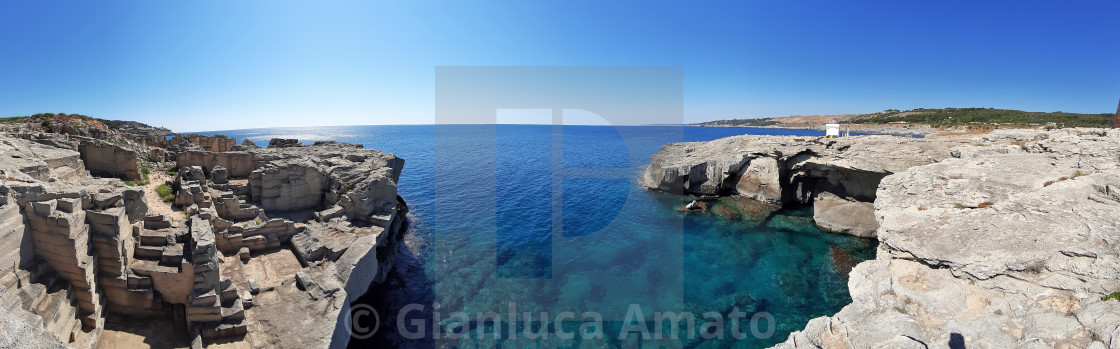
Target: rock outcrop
{"x": 108, "y": 160}
{"x": 844, "y": 216}
{"x": 283, "y": 143}
{"x": 1012, "y": 242}
{"x": 1002, "y": 240}
{"x": 784, "y": 170}
{"x": 78, "y": 248}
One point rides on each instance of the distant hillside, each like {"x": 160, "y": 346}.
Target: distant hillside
{"x": 114, "y": 131}
{"x": 983, "y": 116}
{"x": 937, "y": 118}
{"x": 798, "y": 121}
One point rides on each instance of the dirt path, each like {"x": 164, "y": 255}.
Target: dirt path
{"x": 155, "y": 203}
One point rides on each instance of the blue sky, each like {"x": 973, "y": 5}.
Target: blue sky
{"x": 189, "y": 65}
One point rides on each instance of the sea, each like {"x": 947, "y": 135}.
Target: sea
{"x": 540, "y": 236}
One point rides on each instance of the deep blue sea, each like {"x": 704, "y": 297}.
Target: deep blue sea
{"x": 510, "y": 222}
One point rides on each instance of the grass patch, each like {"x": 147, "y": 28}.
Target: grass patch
{"x": 1113, "y": 296}
{"x": 958, "y": 206}
{"x": 164, "y": 192}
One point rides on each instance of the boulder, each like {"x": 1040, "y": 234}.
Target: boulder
{"x": 844, "y": 216}
{"x": 283, "y": 143}
{"x": 219, "y": 175}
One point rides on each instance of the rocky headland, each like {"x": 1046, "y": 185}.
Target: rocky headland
{"x": 1010, "y": 239}
{"x": 243, "y": 246}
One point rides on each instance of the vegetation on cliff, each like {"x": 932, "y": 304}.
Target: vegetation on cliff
{"x": 983, "y": 116}
{"x": 741, "y": 122}
{"x": 80, "y": 124}
{"x": 933, "y": 117}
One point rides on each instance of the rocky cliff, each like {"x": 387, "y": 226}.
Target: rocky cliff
{"x": 262, "y": 246}
{"x": 839, "y": 175}
{"x": 1003, "y": 240}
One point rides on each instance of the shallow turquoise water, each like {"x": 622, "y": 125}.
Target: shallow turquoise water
{"x": 552, "y": 220}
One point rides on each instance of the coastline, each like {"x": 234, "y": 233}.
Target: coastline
{"x": 209, "y": 241}
{"x": 958, "y": 260}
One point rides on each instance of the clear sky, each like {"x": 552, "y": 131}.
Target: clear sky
{"x": 191, "y": 64}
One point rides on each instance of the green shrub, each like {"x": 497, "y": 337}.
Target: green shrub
{"x": 1113, "y": 296}
{"x": 165, "y": 193}
{"x": 14, "y": 119}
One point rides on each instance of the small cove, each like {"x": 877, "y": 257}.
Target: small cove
{"x": 552, "y": 220}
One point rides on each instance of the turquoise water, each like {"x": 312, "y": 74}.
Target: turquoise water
{"x": 552, "y": 220}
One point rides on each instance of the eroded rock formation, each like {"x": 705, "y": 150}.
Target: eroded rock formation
{"x": 784, "y": 170}
{"x": 265, "y": 242}
{"x": 1003, "y": 240}
{"x": 1010, "y": 243}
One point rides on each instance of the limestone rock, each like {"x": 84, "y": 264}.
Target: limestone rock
{"x": 283, "y": 143}
{"x": 778, "y": 170}
{"x": 238, "y": 163}
{"x": 992, "y": 248}
{"x": 75, "y": 247}
{"x": 219, "y": 175}
{"x": 110, "y": 160}
{"x": 843, "y": 216}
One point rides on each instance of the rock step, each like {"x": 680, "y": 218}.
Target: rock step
{"x": 91, "y": 320}
{"x": 15, "y": 278}
{"x": 235, "y": 310}
{"x": 63, "y": 316}
{"x": 46, "y": 303}
{"x": 152, "y": 253}
{"x": 172, "y": 255}
{"x": 223, "y": 329}
{"x": 139, "y": 282}
{"x": 204, "y": 297}
{"x": 204, "y": 314}
{"x": 156, "y": 238}
{"x": 10, "y": 212}
{"x": 156, "y": 222}
{"x": 229, "y": 293}
{"x": 145, "y": 267}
